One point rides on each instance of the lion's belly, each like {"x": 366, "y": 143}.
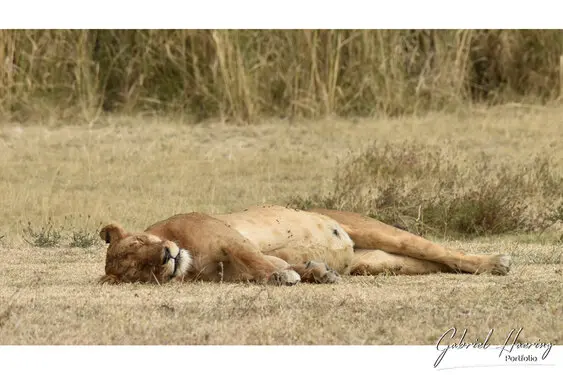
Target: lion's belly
{"x": 293, "y": 235}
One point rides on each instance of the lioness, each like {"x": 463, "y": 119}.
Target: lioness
{"x": 278, "y": 245}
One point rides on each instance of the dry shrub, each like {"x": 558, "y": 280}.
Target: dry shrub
{"x": 245, "y": 75}
{"x": 443, "y": 192}
{"x": 50, "y": 234}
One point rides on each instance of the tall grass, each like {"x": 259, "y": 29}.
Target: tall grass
{"x": 245, "y": 75}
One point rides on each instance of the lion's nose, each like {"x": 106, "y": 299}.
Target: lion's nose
{"x": 172, "y": 248}
{"x": 167, "y": 255}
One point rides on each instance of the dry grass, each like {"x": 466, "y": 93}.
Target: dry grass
{"x": 58, "y": 302}
{"x": 247, "y": 75}
{"x": 137, "y": 171}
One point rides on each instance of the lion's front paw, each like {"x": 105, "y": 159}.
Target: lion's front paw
{"x": 322, "y": 273}
{"x": 284, "y": 277}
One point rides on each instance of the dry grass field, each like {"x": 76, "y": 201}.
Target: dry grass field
{"x": 60, "y": 183}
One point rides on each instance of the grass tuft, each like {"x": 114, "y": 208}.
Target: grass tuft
{"x": 50, "y": 235}
{"x": 84, "y": 236}
{"x": 45, "y": 236}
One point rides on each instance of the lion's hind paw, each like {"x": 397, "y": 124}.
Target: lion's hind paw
{"x": 501, "y": 264}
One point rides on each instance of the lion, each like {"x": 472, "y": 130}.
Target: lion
{"x": 278, "y": 245}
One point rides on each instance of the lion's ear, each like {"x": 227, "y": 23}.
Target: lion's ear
{"x": 112, "y": 232}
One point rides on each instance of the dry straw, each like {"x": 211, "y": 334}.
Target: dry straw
{"x": 245, "y": 75}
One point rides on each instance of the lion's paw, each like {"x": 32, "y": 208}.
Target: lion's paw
{"x": 500, "y": 264}
{"x": 322, "y": 273}
{"x": 284, "y": 277}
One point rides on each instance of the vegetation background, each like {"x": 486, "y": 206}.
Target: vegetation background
{"x": 247, "y": 75}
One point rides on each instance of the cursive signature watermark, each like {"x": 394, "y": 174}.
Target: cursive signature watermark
{"x": 513, "y": 350}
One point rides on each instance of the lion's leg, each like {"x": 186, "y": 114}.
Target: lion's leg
{"x": 247, "y": 263}
{"x": 373, "y": 262}
{"x": 368, "y": 233}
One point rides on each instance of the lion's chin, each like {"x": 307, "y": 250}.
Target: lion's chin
{"x": 184, "y": 264}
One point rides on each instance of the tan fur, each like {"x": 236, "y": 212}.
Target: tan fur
{"x": 279, "y": 245}
{"x": 368, "y": 233}
{"x": 293, "y": 235}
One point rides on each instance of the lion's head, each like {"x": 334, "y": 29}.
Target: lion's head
{"x": 141, "y": 257}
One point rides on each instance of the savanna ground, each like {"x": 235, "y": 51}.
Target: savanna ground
{"x": 59, "y": 184}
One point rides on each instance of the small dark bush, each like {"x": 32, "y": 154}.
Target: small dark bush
{"x": 45, "y": 236}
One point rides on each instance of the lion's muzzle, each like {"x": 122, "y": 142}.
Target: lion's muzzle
{"x": 177, "y": 260}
